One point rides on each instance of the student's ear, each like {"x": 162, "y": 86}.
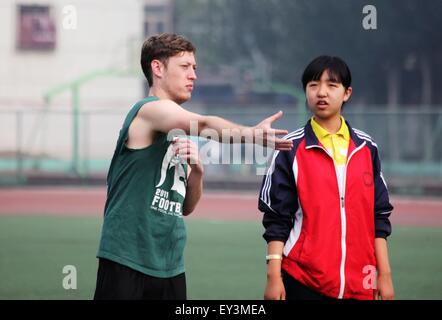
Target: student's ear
{"x": 157, "y": 68}
{"x": 347, "y": 94}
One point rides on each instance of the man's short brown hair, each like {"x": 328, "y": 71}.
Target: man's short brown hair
{"x": 162, "y": 47}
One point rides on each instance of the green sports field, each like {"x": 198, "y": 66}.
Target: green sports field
{"x": 224, "y": 259}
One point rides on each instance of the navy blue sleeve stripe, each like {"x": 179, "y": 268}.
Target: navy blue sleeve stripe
{"x": 265, "y": 194}
{"x": 294, "y": 133}
{"x": 267, "y": 184}
{"x": 368, "y": 140}
{"x": 362, "y": 133}
{"x": 382, "y": 205}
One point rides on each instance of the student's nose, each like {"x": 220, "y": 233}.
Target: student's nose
{"x": 322, "y": 91}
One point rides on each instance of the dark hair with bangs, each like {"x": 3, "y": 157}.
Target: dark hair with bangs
{"x": 162, "y": 47}
{"x": 337, "y": 69}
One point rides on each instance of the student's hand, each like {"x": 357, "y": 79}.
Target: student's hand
{"x": 188, "y": 151}
{"x": 385, "y": 290}
{"x": 274, "y": 289}
{"x": 265, "y": 135}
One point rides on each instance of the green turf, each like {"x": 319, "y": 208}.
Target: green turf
{"x": 224, "y": 260}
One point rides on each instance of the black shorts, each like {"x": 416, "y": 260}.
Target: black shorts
{"x": 118, "y": 282}
{"x": 294, "y": 290}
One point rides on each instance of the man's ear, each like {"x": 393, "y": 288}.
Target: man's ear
{"x": 347, "y": 93}
{"x": 157, "y": 68}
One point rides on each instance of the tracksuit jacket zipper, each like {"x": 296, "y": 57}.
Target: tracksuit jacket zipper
{"x": 342, "y": 212}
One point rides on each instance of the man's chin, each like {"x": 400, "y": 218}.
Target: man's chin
{"x": 184, "y": 99}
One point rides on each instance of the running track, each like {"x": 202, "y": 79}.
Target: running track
{"x": 213, "y": 205}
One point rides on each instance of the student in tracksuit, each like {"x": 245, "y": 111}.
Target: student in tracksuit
{"x": 325, "y": 202}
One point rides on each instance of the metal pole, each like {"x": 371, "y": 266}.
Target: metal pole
{"x": 75, "y": 129}
{"x": 86, "y": 139}
{"x": 19, "y": 136}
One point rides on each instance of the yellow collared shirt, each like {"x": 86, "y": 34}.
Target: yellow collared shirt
{"x": 336, "y": 144}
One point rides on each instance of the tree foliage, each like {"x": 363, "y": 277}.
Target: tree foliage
{"x": 282, "y": 36}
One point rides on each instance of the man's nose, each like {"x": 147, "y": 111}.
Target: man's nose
{"x": 192, "y": 74}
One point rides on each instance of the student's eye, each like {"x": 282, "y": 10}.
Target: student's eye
{"x": 312, "y": 85}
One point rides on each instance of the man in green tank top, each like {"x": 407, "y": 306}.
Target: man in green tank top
{"x": 155, "y": 179}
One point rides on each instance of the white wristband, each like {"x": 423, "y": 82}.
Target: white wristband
{"x": 273, "y": 257}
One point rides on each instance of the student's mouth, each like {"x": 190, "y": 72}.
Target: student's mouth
{"x": 189, "y": 87}
{"x": 322, "y": 104}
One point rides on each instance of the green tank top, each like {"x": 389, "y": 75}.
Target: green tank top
{"x": 143, "y": 225}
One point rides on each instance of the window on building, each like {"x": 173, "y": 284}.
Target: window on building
{"x": 157, "y": 19}
{"x": 155, "y": 9}
{"x": 36, "y": 28}
{"x": 146, "y": 28}
{"x": 160, "y": 27}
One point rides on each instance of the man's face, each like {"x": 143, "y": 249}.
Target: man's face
{"x": 326, "y": 96}
{"x": 178, "y": 76}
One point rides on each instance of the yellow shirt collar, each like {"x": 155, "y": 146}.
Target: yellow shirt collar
{"x": 321, "y": 133}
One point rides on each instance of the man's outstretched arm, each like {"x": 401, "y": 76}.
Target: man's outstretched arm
{"x": 166, "y": 115}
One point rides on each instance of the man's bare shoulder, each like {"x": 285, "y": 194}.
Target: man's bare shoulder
{"x": 165, "y": 115}
{"x": 163, "y": 106}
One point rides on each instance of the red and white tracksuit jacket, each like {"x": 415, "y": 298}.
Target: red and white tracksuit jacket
{"x": 328, "y": 233}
